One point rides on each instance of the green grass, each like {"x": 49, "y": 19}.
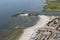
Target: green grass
{"x": 52, "y": 6}
{"x": 30, "y": 14}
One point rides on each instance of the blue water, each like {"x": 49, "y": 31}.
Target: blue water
{"x": 12, "y": 6}
{"x": 9, "y": 7}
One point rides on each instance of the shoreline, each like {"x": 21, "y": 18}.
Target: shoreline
{"x": 32, "y": 30}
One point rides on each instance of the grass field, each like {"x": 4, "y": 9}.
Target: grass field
{"x": 52, "y": 6}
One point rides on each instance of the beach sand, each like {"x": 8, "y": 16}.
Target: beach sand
{"x": 28, "y": 32}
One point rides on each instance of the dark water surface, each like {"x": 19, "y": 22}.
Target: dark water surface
{"x": 10, "y": 7}
{"x": 8, "y": 24}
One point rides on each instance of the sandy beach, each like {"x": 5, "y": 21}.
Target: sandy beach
{"x": 29, "y": 32}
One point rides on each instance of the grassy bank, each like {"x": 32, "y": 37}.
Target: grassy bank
{"x": 52, "y": 6}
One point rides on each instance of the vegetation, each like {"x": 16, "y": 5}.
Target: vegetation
{"x": 16, "y": 15}
{"x": 58, "y": 28}
{"x": 52, "y": 6}
{"x": 30, "y": 14}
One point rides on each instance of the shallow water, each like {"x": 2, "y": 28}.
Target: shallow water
{"x": 8, "y": 24}
{"x": 10, "y": 7}
{"x": 14, "y": 29}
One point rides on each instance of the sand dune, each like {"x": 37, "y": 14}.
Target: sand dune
{"x": 29, "y": 32}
